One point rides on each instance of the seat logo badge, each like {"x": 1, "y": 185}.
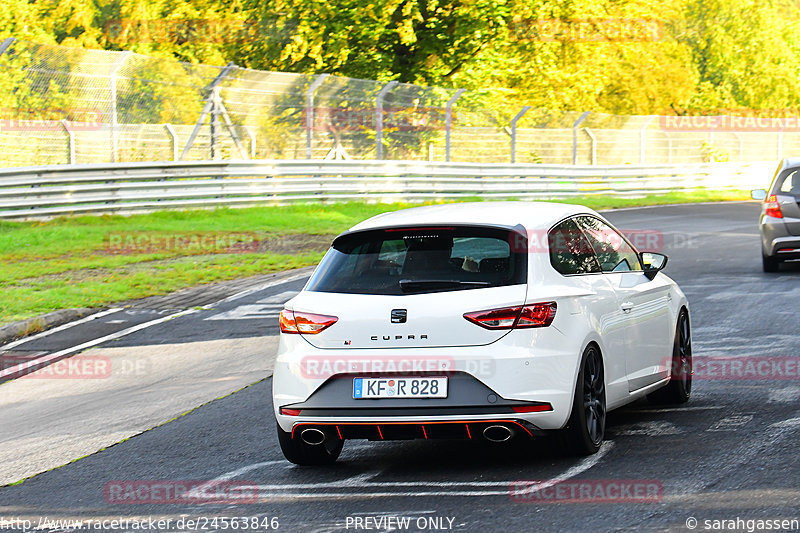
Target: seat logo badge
{"x": 399, "y": 316}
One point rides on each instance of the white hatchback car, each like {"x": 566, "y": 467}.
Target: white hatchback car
{"x": 477, "y": 320}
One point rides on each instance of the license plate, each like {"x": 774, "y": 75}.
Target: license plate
{"x": 365, "y": 388}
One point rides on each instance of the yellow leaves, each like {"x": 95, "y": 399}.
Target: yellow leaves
{"x": 371, "y": 11}
{"x": 406, "y": 32}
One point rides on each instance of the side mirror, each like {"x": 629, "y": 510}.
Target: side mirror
{"x": 758, "y": 194}
{"x": 653, "y": 262}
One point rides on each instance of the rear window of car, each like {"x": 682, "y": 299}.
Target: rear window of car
{"x": 788, "y": 182}
{"x": 422, "y": 260}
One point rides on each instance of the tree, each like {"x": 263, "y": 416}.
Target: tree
{"x": 413, "y": 41}
{"x": 680, "y": 55}
{"x": 745, "y": 52}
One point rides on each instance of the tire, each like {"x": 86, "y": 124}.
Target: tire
{"x": 679, "y": 388}
{"x": 300, "y": 453}
{"x": 770, "y": 264}
{"x": 585, "y": 429}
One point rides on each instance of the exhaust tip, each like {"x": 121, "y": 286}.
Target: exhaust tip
{"x": 313, "y": 436}
{"x": 497, "y": 433}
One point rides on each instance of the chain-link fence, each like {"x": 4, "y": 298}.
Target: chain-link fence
{"x": 64, "y": 105}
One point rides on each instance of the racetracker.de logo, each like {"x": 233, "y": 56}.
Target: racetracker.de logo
{"x": 739, "y": 121}
{"x": 180, "y": 30}
{"x": 589, "y": 30}
{"x": 575, "y": 242}
{"x": 210, "y": 242}
{"x": 588, "y": 491}
{"x": 179, "y": 491}
{"x": 323, "y": 366}
{"x": 745, "y": 368}
{"x": 75, "y": 367}
{"x": 53, "y": 119}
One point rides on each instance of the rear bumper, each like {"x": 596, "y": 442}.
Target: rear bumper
{"x": 485, "y": 383}
{"x": 776, "y": 241}
{"x": 784, "y": 247}
{"x": 466, "y": 396}
{"x": 469, "y": 408}
{"x": 455, "y": 429}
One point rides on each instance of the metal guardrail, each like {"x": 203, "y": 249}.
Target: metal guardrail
{"x": 46, "y": 191}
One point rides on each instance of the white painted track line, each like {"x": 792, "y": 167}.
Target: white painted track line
{"x": 367, "y": 488}
{"x": 263, "y": 286}
{"x": 60, "y": 328}
{"x": 25, "y": 368}
{"x": 46, "y": 422}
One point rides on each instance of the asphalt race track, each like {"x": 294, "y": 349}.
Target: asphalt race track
{"x": 730, "y": 453}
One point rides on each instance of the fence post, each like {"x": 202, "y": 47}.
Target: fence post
{"x": 514, "y": 131}
{"x": 209, "y": 102}
{"x": 70, "y": 140}
{"x": 6, "y": 44}
{"x": 214, "y": 124}
{"x": 231, "y": 128}
{"x": 252, "y": 141}
{"x": 594, "y": 144}
{"x": 642, "y": 137}
{"x": 669, "y": 145}
{"x": 575, "y": 136}
{"x": 741, "y": 145}
{"x": 310, "y": 111}
{"x": 113, "y": 119}
{"x": 379, "y": 118}
{"x": 113, "y": 97}
{"x": 173, "y": 140}
{"x": 448, "y": 121}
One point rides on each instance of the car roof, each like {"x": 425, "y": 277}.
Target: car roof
{"x": 531, "y": 215}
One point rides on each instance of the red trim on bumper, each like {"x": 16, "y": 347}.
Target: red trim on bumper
{"x": 377, "y": 425}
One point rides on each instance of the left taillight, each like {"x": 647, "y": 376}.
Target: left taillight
{"x": 305, "y": 323}
{"x": 538, "y": 315}
{"x": 773, "y": 207}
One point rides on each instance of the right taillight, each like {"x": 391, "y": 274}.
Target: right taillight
{"x": 306, "y": 323}
{"x": 538, "y": 315}
{"x": 773, "y": 208}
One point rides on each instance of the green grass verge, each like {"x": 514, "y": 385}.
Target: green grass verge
{"x": 71, "y": 262}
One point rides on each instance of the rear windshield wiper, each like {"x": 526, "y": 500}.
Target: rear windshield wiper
{"x": 413, "y": 285}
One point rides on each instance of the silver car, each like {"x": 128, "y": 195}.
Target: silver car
{"x": 780, "y": 216}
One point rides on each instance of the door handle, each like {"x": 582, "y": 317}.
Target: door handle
{"x": 627, "y": 306}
